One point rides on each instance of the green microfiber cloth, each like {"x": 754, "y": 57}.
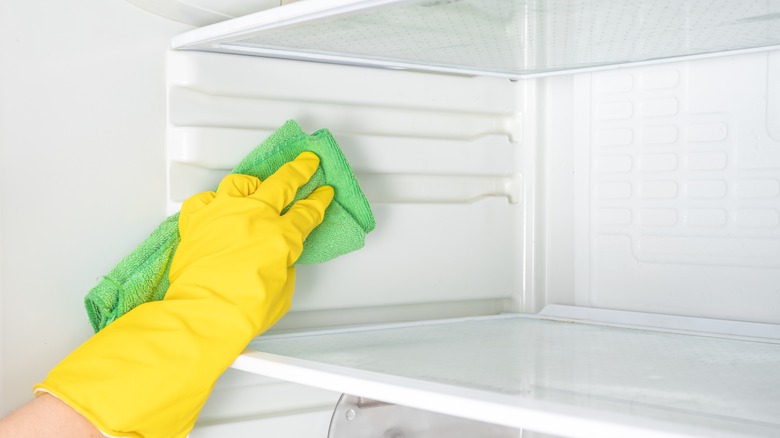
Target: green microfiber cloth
{"x": 142, "y": 276}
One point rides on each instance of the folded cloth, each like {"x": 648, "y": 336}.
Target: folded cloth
{"x": 142, "y": 276}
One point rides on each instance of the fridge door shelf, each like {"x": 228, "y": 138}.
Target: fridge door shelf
{"x": 551, "y": 373}
{"x": 514, "y": 39}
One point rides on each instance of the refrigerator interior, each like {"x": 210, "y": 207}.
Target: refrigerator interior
{"x": 650, "y": 188}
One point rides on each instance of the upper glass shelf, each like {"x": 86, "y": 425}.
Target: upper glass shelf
{"x": 510, "y": 38}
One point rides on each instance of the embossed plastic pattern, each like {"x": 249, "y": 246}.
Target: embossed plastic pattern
{"x": 678, "y": 167}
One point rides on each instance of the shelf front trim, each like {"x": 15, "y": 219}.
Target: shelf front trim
{"x": 505, "y": 410}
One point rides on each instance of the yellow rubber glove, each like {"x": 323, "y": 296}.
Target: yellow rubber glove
{"x": 149, "y": 373}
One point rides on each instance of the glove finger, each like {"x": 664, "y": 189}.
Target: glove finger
{"x": 191, "y": 205}
{"x": 307, "y": 213}
{"x": 237, "y": 185}
{"x": 279, "y": 189}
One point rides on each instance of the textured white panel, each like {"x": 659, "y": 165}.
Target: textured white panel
{"x": 693, "y": 227}
{"x": 441, "y": 169}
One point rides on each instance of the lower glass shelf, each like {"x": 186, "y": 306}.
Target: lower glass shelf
{"x": 553, "y": 376}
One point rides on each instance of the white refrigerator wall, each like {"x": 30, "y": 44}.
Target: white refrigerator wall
{"x": 82, "y": 167}
{"x": 677, "y": 176}
{"x": 443, "y": 160}
{"x": 651, "y": 189}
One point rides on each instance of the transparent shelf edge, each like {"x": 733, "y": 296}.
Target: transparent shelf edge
{"x": 519, "y": 410}
{"x": 468, "y": 403}
{"x": 235, "y": 49}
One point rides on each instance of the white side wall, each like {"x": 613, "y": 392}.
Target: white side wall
{"x": 82, "y": 173}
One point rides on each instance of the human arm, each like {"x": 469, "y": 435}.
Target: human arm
{"x": 47, "y": 416}
{"x": 149, "y": 372}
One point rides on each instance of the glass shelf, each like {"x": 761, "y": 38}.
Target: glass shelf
{"x": 511, "y": 38}
{"x": 557, "y": 377}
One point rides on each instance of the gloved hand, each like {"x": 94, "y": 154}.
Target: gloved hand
{"x": 149, "y": 373}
